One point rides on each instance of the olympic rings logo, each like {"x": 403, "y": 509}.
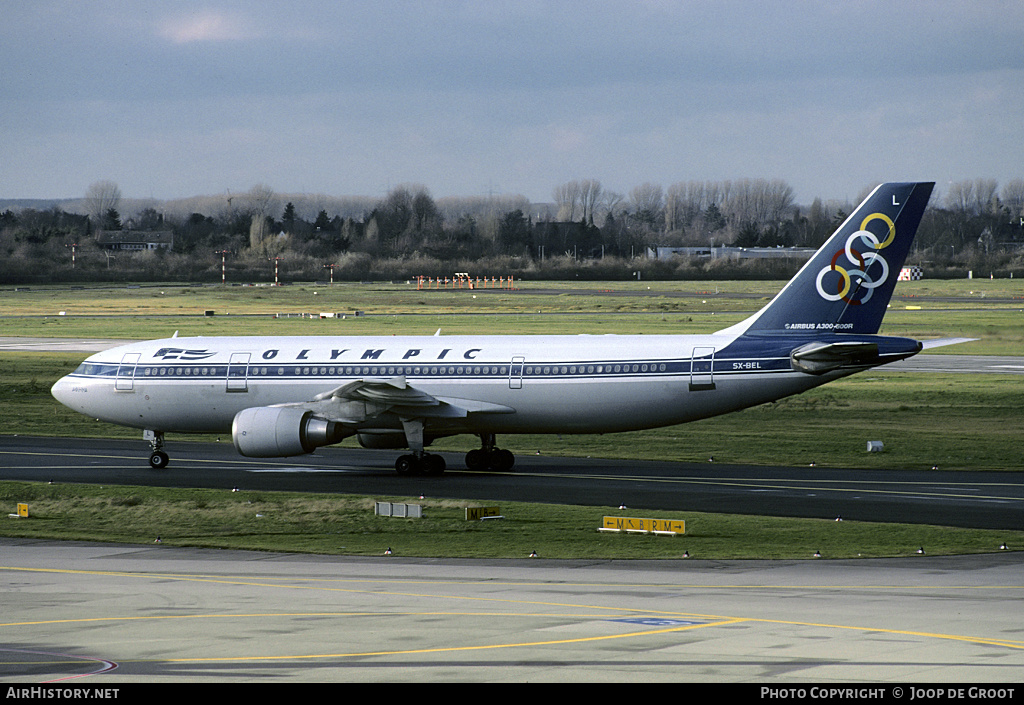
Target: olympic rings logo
{"x": 862, "y": 254}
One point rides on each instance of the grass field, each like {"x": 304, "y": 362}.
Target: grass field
{"x": 346, "y": 524}
{"x": 992, "y": 310}
{"x": 963, "y": 422}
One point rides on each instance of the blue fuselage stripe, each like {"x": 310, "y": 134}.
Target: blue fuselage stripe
{"x": 561, "y": 370}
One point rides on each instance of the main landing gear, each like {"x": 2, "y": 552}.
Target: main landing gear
{"x": 420, "y": 464}
{"x": 417, "y": 462}
{"x": 158, "y": 459}
{"x": 488, "y": 457}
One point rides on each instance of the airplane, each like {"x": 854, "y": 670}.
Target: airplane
{"x": 288, "y": 396}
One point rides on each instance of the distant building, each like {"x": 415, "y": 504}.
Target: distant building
{"x": 135, "y": 239}
{"x": 664, "y": 253}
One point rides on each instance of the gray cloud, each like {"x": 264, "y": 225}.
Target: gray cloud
{"x": 348, "y": 97}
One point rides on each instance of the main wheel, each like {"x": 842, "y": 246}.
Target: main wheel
{"x": 476, "y": 459}
{"x": 406, "y": 464}
{"x": 433, "y": 464}
{"x": 159, "y": 460}
{"x": 502, "y": 460}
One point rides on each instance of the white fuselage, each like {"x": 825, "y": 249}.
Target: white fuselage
{"x": 552, "y": 384}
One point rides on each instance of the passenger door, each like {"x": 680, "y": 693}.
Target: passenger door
{"x": 702, "y": 369}
{"x": 515, "y": 372}
{"x": 125, "y": 381}
{"x": 238, "y": 369}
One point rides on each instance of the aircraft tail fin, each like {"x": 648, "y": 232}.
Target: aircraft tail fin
{"x": 846, "y": 286}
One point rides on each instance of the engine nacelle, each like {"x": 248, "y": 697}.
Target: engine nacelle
{"x": 278, "y": 432}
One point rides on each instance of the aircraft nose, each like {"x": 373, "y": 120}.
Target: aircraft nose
{"x": 61, "y": 391}
{"x": 69, "y": 392}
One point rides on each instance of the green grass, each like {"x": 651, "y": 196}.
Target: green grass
{"x": 154, "y": 311}
{"x": 963, "y": 422}
{"x": 346, "y": 524}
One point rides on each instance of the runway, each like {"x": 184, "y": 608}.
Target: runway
{"x": 124, "y": 614}
{"x": 988, "y": 500}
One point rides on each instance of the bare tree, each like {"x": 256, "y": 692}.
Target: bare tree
{"x": 590, "y": 196}
{"x": 757, "y": 200}
{"x": 612, "y": 201}
{"x": 263, "y": 243}
{"x": 960, "y": 196}
{"x": 1013, "y": 196}
{"x": 985, "y": 194}
{"x": 260, "y": 198}
{"x": 100, "y": 198}
{"x": 675, "y": 207}
{"x": 567, "y": 200}
{"x": 647, "y": 201}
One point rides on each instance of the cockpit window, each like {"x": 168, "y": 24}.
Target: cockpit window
{"x": 92, "y": 369}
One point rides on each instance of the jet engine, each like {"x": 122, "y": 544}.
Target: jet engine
{"x": 277, "y": 432}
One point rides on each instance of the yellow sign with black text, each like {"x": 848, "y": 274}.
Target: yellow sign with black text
{"x": 674, "y": 526}
{"x": 478, "y": 513}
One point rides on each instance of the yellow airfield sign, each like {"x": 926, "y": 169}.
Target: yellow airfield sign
{"x": 649, "y": 526}
{"x": 478, "y": 513}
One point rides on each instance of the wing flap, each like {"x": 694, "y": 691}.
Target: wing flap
{"x": 358, "y": 401}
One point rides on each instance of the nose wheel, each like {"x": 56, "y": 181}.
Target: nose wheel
{"x": 158, "y": 459}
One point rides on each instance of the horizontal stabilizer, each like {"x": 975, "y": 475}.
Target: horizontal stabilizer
{"x": 819, "y": 358}
{"x": 942, "y": 342}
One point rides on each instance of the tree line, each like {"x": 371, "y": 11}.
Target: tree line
{"x": 586, "y": 231}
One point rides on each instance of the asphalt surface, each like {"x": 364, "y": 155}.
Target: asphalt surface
{"x": 967, "y": 499}
{"x": 84, "y": 616}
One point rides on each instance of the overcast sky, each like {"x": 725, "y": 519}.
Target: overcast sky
{"x": 175, "y": 99}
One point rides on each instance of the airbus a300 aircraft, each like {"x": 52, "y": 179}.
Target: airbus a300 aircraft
{"x": 285, "y": 396}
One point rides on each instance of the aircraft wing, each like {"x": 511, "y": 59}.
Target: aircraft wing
{"x": 365, "y": 399}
